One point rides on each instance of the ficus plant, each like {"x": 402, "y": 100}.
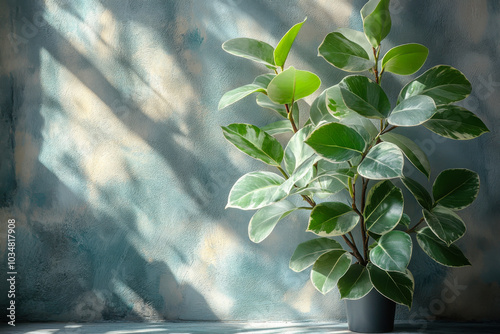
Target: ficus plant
{"x": 353, "y": 141}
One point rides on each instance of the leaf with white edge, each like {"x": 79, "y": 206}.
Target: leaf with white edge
{"x": 335, "y": 102}
{"x": 456, "y": 188}
{"x": 319, "y": 111}
{"x": 332, "y": 219}
{"x": 411, "y": 150}
{"x": 301, "y": 175}
{"x": 336, "y": 142}
{"x": 405, "y": 59}
{"x": 437, "y": 250}
{"x": 419, "y": 192}
{"x": 323, "y": 185}
{"x": 285, "y": 44}
{"x": 376, "y": 20}
{"x": 329, "y": 268}
{"x": 413, "y": 111}
{"x": 393, "y": 251}
{"x": 394, "y": 285}
{"x": 278, "y": 127}
{"x": 239, "y": 93}
{"x": 443, "y": 83}
{"x": 365, "y": 97}
{"x": 292, "y": 85}
{"x": 356, "y": 283}
{"x": 384, "y": 207}
{"x": 296, "y": 151}
{"x": 265, "y": 102}
{"x": 383, "y": 161}
{"x": 343, "y": 53}
{"x": 256, "y": 190}
{"x": 258, "y": 85}
{"x": 359, "y": 38}
{"x": 308, "y": 252}
{"x": 252, "y": 49}
{"x": 405, "y": 221}
{"x": 251, "y": 140}
{"x": 362, "y": 125}
{"x": 457, "y": 123}
{"x": 445, "y": 224}
{"x": 264, "y": 220}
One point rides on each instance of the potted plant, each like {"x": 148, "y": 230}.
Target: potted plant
{"x": 348, "y": 144}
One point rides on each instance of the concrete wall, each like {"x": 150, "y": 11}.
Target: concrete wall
{"x": 116, "y": 171}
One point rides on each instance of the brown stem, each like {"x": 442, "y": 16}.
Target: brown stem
{"x": 411, "y": 230}
{"x": 356, "y": 253}
{"x": 388, "y": 129}
{"x": 290, "y": 118}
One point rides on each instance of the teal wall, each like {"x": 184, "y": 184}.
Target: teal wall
{"x": 116, "y": 171}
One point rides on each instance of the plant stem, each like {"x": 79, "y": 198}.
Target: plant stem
{"x": 411, "y": 230}
{"x": 389, "y": 129}
{"x": 290, "y": 117}
{"x": 375, "y": 68}
{"x": 282, "y": 172}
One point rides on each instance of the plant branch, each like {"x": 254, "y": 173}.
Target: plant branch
{"x": 388, "y": 129}
{"x": 411, "y": 230}
{"x": 290, "y": 117}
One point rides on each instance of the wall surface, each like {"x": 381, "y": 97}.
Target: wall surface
{"x": 115, "y": 169}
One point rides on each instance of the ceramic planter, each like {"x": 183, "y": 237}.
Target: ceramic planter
{"x": 371, "y": 314}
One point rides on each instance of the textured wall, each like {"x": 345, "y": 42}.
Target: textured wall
{"x": 115, "y": 168}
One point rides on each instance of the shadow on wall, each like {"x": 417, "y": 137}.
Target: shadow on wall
{"x": 77, "y": 262}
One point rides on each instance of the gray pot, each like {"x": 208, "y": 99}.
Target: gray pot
{"x": 371, "y": 314}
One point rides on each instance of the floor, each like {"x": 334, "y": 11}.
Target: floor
{"x": 237, "y": 327}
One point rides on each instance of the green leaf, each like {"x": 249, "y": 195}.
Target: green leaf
{"x": 265, "y": 102}
{"x": 278, "y": 127}
{"x": 384, "y": 207}
{"x": 301, "y": 175}
{"x": 237, "y": 94}
{"x": 329, "y": 268}
{"x": 251, "y": 140}
{"x": 264, "y": 220}
{"x": 376, "y": 20}
{"x": 365, "y": 97}
{"x": 383, "y": 161}
{"x": 252, "y": 49}
{"x": 437, "y": 250}
{"x": 323, "y": 184}
{"x": 405, "y": 221}
{"x": 446, "y": 224}
{"x": 394, "y": 285}
{"x": 457, "y": 123}
{"x": 413, "y": 111}
{"x": 443, "y": 83}
{"x": 356, "y": 283}
{"x": 292, "y": 85}
{"x": 259, "y": 85}
{"x": 405, "y": 59}
{"x": 393, "y": 251}
{"x": 332, "y": 219}
{"x": 343, "y": 53}
{"x": 335, "y": 102}
{"x": 336, "y": 142}
{"x": 419, "y": 192}
{"x": 411, "y": 150}
{"x": 296, "y": 152}
{"x": 319, "y": 110}
{"x": 256, "y": 190}
{"x": 308, "y": 252}
{"x": 285, "y": 44}
{"x": 362, "y": 125}
{"x": 456, "y": 188}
